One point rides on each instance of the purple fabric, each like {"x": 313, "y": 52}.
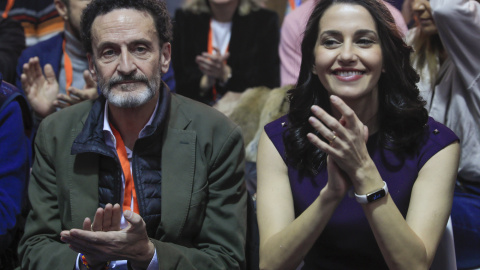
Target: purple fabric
{"x": 347, "y": 241}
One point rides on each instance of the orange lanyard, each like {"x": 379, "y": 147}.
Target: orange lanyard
{"x": 292, "y": 4}
{"x": 68, "y": 68}
{"x": 210, "y": 51}
{"x": 7, "y": 8}
{"x": 129, "y": 184}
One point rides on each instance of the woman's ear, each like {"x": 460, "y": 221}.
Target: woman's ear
{"x": 314, "y": 69}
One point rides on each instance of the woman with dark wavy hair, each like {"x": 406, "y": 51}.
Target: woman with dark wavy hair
{"x": 356, "y": 126}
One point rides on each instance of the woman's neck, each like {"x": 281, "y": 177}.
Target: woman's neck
{"x": 223, "y": 12}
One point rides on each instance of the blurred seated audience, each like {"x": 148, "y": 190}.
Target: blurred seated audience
{"x": 15, "y": 160}
{"x": 446, "y": 42}
{"x": 224, "y": 47}
{"x": 54, "y": 73}
{"x": 39, "y": 18}
{"x": 283, "y": 7}
{"x": 11, "y": 46}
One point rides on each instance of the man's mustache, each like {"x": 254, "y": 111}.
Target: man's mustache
{"x": 127, "y": 78}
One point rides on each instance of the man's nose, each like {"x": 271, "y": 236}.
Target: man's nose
{"x": 127, "y": 63}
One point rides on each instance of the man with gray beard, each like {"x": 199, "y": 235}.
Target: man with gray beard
{"x": 139, "y": 178}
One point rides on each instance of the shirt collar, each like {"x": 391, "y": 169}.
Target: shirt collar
{"x": 108, "y": 134}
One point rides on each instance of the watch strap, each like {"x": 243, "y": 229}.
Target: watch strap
{"x": 372, "y": 196}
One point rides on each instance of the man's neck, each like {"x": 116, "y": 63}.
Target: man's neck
{"x": 74, "y": 45}
{"x": 130, "y": 121}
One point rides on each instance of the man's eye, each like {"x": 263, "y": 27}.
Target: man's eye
{"x": 140, "y": 49}
{"x": 108, "y": 53}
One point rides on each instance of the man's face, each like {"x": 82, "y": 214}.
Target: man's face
{"x": 127, "y": 60}
{"x": 74, "y": 13}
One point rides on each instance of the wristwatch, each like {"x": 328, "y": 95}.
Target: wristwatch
{"x": 373, "y": 196}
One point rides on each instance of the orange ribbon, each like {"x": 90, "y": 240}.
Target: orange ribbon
{"x": 129, "y": 184}
{"x": 292, "y": 4}
{"x": 7, "y": 8}
{"x": 68, "y": 68}
{"x": 210, "y": 51}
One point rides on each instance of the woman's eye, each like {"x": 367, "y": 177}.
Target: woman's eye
{"x": 330, "y": 43}
{"x": 365, "y": 42}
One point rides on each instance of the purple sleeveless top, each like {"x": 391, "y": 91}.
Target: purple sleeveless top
{"x": 347, "y": 241}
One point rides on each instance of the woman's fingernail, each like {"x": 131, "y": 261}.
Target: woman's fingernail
{"x": 333, "y": 98}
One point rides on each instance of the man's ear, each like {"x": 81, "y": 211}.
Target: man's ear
{"x": 166, "y": 56}
{"x": 61, "y": 8}
{"x": 91, "y": 66}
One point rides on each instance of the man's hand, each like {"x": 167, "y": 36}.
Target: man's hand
{"x": 41, "y": 90}
{"x": 131, "y": 243}
{"x": 76, "y": 95}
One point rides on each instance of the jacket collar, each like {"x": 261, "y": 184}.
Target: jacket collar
{"x": 91, "y": 139}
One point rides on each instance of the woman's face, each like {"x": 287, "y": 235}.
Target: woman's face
{"x": 348, "y": 56}
{"x": 423, "y": 16}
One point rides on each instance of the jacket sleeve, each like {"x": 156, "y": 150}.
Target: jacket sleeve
{"x": 13, "y": 166}
{"x": 458, "y": 24}
{"x": 41, "y": 247}
{"x": 220, "y": 243}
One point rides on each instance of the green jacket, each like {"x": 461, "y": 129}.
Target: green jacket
{"x": 202, "y": 176}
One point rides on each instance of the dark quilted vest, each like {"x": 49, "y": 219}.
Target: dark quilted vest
{"x": 146, "y": 163}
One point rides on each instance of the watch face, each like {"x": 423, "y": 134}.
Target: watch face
{"x": 376, "y": 195}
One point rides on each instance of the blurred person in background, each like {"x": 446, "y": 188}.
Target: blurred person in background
{"x": 446, "y": 41}
{"x": 221, "y": 48}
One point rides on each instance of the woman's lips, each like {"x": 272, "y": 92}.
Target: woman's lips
{"x": 348, "y": 75}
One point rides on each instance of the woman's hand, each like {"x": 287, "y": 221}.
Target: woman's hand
{"x": 338, "y": 181}
{"x": 347, "y": 148}
{"x": 214, "y": 65}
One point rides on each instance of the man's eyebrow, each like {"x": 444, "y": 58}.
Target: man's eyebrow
{"x": 104, "y": 44}
{"x": 141, "y": 41}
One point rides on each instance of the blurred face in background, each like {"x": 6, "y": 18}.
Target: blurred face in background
{"x": 71, "y": 12}
{"x": 423, "y": 17}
